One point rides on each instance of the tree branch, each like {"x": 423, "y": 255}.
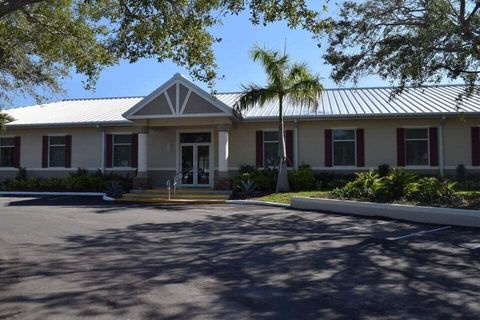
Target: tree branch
{"x": 9, "y": 6}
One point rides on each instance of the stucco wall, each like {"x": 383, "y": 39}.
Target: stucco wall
{"x": 380, "y": 140}
{"x": 380, "y": 143}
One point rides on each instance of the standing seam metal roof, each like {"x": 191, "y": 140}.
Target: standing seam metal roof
{"x": 333, "y": 103}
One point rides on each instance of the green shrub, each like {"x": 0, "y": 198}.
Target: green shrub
{"x": 21, "y": 174}
{"x": 399, "y": 185}
{"x": 460, "y": 173}
{"x": 368, "y": 186}
{"x": 329, "y": 180}
{"x": 265, "y": 180}
{"x": 302, "y": 179}
{"x": 78, "y": 181}
{"x": 397, "y": 182}
{"x": 383, "y": 170}
{"x": 431, "y": 191}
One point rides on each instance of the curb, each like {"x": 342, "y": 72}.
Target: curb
{"x": 258, "y": 203}
{"x": 38, "y": 193}
{"x": 434, "y": 215}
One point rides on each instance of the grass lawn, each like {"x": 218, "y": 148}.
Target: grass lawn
{"x": 287, "y": 196}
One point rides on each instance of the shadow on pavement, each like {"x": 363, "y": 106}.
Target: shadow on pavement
{"x": 254, "y": 266}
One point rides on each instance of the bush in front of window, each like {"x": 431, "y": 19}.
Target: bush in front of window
{"x": 265, "y": 180}
{"x": 79, "y": 181}
{"x": 431, "y": 191}
{"x": 400, "y": 185}
{"x": 302, "y": 179}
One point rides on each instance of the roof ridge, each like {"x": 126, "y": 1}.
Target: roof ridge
{"x": 102, "y": 98}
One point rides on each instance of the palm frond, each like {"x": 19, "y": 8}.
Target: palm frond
{"x": 274, "y": 63}
{"x": 306, "y": 90}
{"x": 254, "y": 94}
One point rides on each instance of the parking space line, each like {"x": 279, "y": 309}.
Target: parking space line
{"x": 418, "y": 233}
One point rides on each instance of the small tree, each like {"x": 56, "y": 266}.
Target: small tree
{"x": 286, "y": 81}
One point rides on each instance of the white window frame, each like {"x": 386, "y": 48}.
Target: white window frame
{"x": 1, "y": 147}
{"x": 268, "y": 141}
{"x": 344, "y": 140}
{"x": 423, "y": 139}
{"x": 56, "y": 145}
{"x": 121, "y": 144}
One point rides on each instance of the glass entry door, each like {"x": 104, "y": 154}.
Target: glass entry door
{"x": 195, "y": 159}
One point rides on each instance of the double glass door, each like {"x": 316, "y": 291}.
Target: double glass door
{"x": 195, "y": 161}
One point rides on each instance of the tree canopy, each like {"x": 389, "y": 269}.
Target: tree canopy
{"x": 42, "y": 41}
{"x": 409, "y": 42}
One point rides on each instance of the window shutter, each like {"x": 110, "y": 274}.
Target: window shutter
{"x": 134, "y": 150}
{"x": 45, "y": 152}
{"x": 16, "y": 153}
{"x": 259, "y": 148}
{"x": 68, "y": 151}
{"x": 328, "y": 147}
{"x": 400, "y": 147}
{"x": 433, "y": 137}
{"x": 289, "y": 147}
{"x": 475, "y": 146}
{"x": 360, "y": 147}
{"x": 109, "y": 151}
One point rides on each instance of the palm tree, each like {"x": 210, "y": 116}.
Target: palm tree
{"x": 293, "y": 82}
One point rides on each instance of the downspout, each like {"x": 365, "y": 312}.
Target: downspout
{"x": 441, "y": 161}
{"x": 295, "y": 144}
{"x": 103, "y": 149}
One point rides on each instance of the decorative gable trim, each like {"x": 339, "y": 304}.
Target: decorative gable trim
{"x": 176, "y": 106}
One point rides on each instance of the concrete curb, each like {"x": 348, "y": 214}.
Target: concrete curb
{"x": 38, "y": 193}
{"x": 443, "y": 216}
{"x": 258, "y": 203}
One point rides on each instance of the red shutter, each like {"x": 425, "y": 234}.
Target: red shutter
{"x": 16, "y": 153}
{"x": 433, "y": 136}
{"x": 68, "y": 151}
{"x": 328, "y": 147}
{"x": 109, "y": 151}
{"x": 289, "y": 147}
{"x": 259, "y": 148}
{"x": 360, "y": 147}
{"x": 400, "y": 147}
{"x": 45, "y": 152}
{"x": 134, "y": 150}
{"x": 475, "y": 146}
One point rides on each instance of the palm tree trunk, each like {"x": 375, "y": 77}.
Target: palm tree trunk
{"x": 282, "y": 178}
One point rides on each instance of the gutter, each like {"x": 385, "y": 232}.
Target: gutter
{"x": 70, "y": 125}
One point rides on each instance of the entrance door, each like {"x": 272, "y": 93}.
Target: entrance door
{"x": 195, "y": 159}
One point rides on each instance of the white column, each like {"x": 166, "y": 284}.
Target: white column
{"x": 223, "y": 148}
{"x": 142, "y": 154}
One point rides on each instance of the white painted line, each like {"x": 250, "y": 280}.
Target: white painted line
{"x": 418, "y": 233}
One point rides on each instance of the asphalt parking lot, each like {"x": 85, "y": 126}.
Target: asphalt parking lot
{"x": 73, "y": 257}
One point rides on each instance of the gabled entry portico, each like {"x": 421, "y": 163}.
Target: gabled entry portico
{"x": 185, "y": 130}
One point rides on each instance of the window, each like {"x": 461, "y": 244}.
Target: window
{"x": 56, "y": 151}
{"x": 416, "y": 147}
{"x": 270, "y": 148}
{"x": 7, "y": 151}
{"x": 344, "y": 147}
{"x": 195, "y": 137}
{"x": 122, "y": 150}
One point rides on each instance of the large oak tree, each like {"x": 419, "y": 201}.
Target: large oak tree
{"x": 409, "y": 42}
{"x": 42, "y": 41}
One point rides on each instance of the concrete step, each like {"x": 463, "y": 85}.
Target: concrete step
{"x": 172, "y": 201}
{"x": 185, "y": 191}
{"x": 176, "y": 196}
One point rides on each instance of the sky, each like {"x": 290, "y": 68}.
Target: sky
{"x": 233, "y": 59}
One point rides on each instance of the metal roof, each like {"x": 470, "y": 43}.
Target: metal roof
{"x": 352, "y": 102}
{"x": 334, "y": 103}
{"x": 74, "y": 112}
